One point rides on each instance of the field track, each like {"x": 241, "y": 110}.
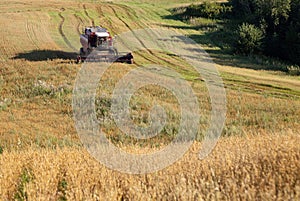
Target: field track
{"x": 87, "y": 14}
{"x": 62, "y": 32}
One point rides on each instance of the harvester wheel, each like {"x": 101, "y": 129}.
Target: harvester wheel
{"x": 78, "y": 60}
{"x": 81, "y": 52}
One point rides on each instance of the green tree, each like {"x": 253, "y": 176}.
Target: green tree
{"x": 208, "y": 9}
{"x": 243, "y": 8}
{"x": 279, "y": 20}
{"x": 273, "y": 12}
{"x": 249, "y": 39}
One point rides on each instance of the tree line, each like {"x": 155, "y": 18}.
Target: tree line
{"x": 271, "y": 27}
{"x": 267, "y": 27}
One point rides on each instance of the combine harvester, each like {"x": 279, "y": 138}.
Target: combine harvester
{"x": 100, "y": 40}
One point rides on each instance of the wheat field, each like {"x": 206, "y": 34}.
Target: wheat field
{"x": 262, "y": 167}
{"x": 42, "y": 157}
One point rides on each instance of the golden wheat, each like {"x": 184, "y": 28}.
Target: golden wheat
{"x": 264, "y": 167}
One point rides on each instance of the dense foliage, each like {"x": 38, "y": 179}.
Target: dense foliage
{"x": 249, "y": 39}
{"x": 208, "y": 10}
{"x": 279, "y": 20}
{"x": 269, "y": 27}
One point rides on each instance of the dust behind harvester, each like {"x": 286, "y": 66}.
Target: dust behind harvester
{"x": 98, "y": 38}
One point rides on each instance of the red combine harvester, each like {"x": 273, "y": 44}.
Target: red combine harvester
{"x": 98, "y": 38}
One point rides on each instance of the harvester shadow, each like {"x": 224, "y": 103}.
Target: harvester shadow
{"x": 44, "y": 55}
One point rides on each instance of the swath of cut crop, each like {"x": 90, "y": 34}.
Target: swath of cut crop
{"x": 129, "y": 27}
{"x": 87, "y": 14}
{"x": 139, "y": 26}
{"x": 68, "y": 43}
{"x": 79, "y": 24}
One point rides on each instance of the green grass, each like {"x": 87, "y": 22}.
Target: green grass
{"x": 25, "y": 178}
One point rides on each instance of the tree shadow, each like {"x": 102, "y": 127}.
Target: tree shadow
{"x": 218, "y": 40}
{"x": 44, "y": 55}
{"x": 197, "y": 27}
{"x": 219, "y": 48}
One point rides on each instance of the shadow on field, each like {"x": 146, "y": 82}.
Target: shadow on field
{"x": 218, "y": 41}
{"x": 44, "y": 55}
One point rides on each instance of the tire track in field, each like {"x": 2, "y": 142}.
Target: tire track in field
{"x": 38, "y": 31}
{"x": 124, "y": 43}
{"x": 60, "y": 29}
{"x": 127, "y": 25}
{"x": 108, "y": 19}
{"x": 87, "y": 14}
{"x": 113, "y": 29}
{"x": 131, "y": 17}
{"x": 80, "y": 22}
{"x": 35, "y": 31}
{"x": 30, "y": 33}
{"x": 79, "y": 19}
{"x": 133, "y": 13}
{"x": 45, "y": 39}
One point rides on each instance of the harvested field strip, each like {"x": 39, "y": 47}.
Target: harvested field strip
{"x": 116, "y": 29}
{"x": 80, "y": 24}
{"x": 87, "y": 14}
{"x": 264, "y": 77}
{"x": 141, "y": 25}
{"x": 30, "y": 33}
{"x": 131, "y": 20}
{"x": 62, "y": 33}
